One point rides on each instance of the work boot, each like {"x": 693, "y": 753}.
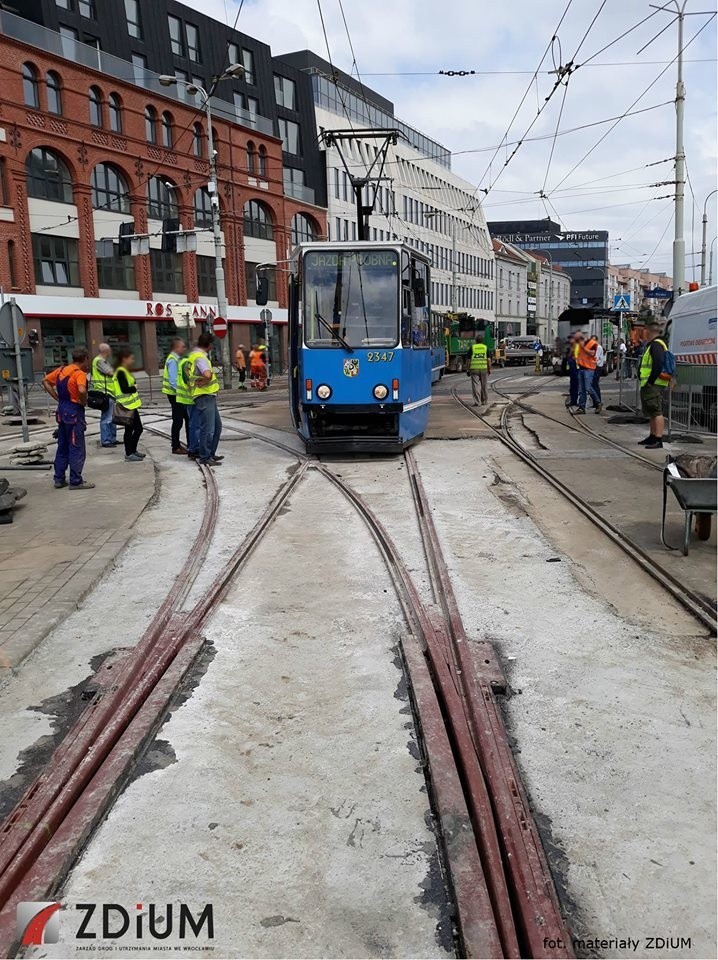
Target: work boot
{"x": 655, "y": 444}
{"x": 217, "y": 456}
{"x": 85, "y": 485}
{"x": 649, "y": 439}
{"x": 180, "y": 452}
{"x": 134, "y": 458}
{"x": 599, "y": 407}
{"x": 59, "y": 484}
{"x": 581, "y": 410}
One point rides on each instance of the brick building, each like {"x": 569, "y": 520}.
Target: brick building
{"x": 86, "y": 148}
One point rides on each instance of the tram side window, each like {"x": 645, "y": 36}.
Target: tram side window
{"x": 420, "y": 315}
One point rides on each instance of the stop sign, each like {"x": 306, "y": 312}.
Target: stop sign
{"x": 219, "y": 327}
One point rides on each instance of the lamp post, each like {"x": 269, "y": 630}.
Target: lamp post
{"x": 167, "y": 80}
{"x": 710, "y": 263}
{"x": 703, "y": 242}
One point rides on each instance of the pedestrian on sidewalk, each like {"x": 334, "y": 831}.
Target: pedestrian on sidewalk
{"x": 205, "y": 388}
{"x": 653, "y": 383}
{"x": 127, "y": 395}
{"x": 587, "y": 348}
{"x": 479, "y": 370}
{"x": 600, "y": 370}
{"x": 102, "y": 374}
{"x": 68, "y": 386}
{"x": 573, "y": 348}
{"x": 240, "y": 363}
{"x": 180, "y": 417}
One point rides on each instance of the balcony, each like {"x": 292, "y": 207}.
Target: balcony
{"x": 299, "y": 192}
{"x": 88, "y": 56}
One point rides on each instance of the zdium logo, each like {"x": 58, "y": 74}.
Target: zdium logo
{"x": 38, "y": 923}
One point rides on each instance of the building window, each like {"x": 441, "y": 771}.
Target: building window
{"x": 262, "y": 162}
{"x": 54, "y": 92}
{"x": 69, "y": 37}
{"x": 192, "y": 34}
{"x": 47, "y": 176}
{"x": 87, "y": 9}
{"x": 202, "y": 208}
{"x": 167, "y": 274}
{"x": 250, "y": 277}
{"x": 139, "y": 68}
{"x": 109, "y": 189}
{"x": 233, "y": 54}
{"x": 258, "y": 220}
{"x": 132, "y": 14}
{"x": 176, "y": 38}
{"x": 302, "y": 229}
{"x": 294, "y": 181}
{"x": 30, "y": 86}
{"x": 197, "y": 140}
{"x": 96, "y": 107}
{"x": 289, "y": 133}
{"x": 150, "y": 125}
{"x": 161, "y": 201}
{"x": 285, "y": 92}
{"x": 116, "y": 273}
{"x": 206, "y": 277}
{"x": 167, "y": 134}
{"x": 251, "y": 157}
{"x": 64, "y": 4}
{"x": 248, "y": 64}
{"x": 4, "y": 195}
{"x": 115, "y": 107}
{"x": 56, "y": 260}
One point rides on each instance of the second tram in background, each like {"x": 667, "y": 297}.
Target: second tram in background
{"x": 360, "y": 346}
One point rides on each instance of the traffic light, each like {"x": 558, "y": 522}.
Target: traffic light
{"x": 170, "y": 228}
{"x": 125, "y": 244}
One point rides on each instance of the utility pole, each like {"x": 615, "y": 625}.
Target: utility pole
{"x": 710, "y": 263}
{"x": 453, "y": 266}
{"x": 703, "y": 241}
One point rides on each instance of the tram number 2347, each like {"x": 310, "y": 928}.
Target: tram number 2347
{"x": 380, "y": 357}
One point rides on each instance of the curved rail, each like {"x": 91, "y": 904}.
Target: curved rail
{"x": 697, "y": 605}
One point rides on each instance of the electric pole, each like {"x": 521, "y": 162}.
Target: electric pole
{"x": 703, "y": 240}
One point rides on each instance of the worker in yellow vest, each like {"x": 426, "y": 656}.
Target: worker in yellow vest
{"x": 127, "y": 396}
{"x": 102, "y": 382}
{"x": 169, "y": 388}
{"x": 479, "y": 370}
{"x": 653, "y": 383}
{"x": 205, "y": 388}
{"x": 185, "y": 400}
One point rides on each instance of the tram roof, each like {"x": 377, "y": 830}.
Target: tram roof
{"x": 360, "y": 245}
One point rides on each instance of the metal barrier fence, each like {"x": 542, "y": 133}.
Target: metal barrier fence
{"x": 690, "y": 405}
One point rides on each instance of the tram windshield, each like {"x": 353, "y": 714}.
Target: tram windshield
{"x": 351, "y": 298}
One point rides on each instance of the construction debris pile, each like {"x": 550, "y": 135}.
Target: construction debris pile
{"x": 29, "y": 453}
{"x": 8, "y": 498}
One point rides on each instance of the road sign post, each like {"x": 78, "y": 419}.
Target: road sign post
{"x": 219, "y": 327}
{"x": 266, "y": 317}
{"x": 621, "y": 302}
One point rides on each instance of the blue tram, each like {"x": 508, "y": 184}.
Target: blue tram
{"x": 359, "y": 346}
{"x": 438, "y": 347}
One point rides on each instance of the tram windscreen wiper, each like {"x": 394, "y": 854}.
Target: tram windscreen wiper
{"x": 327, "y": 326}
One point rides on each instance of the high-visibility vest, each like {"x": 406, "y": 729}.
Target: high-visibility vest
{"x": 167, "y": 387}
{"x": 646, "y": 367}
{"x": 575, "y": 350}
{"x": 184, "y": 388}
{"x": 585, "y": 359}
{"x": 131, "y": 401}
{"x": 207, "y": 386}
{"x": 479, "y": 358}
{"x": 102, "y": 381}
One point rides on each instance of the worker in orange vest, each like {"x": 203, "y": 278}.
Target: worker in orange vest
{"x": 586, "y": 359}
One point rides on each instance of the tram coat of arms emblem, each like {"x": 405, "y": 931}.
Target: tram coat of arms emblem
{"x": 351, "y": 368}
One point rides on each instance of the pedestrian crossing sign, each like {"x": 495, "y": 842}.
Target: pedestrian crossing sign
{"x": 622, "y": 301}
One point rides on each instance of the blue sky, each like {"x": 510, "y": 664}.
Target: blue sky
{"x": 400, "y": 45}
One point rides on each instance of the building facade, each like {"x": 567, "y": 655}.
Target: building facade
{"x": 419, "y": 201}
{"x": 636, "y": 284}
{"x": 583, "y": 255}
{"x": 90, "y": 141}
{"x": 529, "y": 291}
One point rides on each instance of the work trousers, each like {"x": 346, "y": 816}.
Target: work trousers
{"x": 597, "y": 374}
{"x": 479, "y": 385}
{"x": 108, "y": 430}
{"x": 180, "y": 418}
{"x": 585, "y": 387}
{"x": 573, "y": 382}
{"x": 193, "y": 444}
{"x": 70, "y": 452}
{"x": 133, "y": 432}
{"x": 209, "y": 425}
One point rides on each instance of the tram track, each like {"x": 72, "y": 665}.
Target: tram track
{"x": 701, "y": 608}
{"x": 502, "y": 889}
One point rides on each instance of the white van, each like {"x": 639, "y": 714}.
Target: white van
{"x": 691, "y": 332}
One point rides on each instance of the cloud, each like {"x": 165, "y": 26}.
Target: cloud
{"x": 404, "y": 40}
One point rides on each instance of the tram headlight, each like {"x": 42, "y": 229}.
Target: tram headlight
{"x": 324, "y": 391}
{"x": 380, "y": 391}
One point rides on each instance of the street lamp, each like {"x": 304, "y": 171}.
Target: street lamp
{"x": 703, "y": 243}
{"x": 710, "y": 271}
{"x": 167, "y": 80}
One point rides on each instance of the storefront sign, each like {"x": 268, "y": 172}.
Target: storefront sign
{"x": 198, "y": 311}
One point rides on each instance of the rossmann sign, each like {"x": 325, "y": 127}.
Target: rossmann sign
{"x": 198, "y": 311}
